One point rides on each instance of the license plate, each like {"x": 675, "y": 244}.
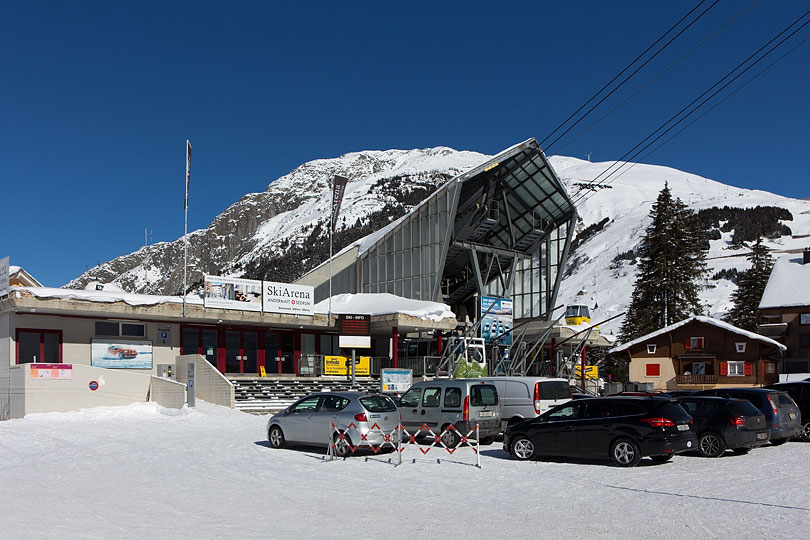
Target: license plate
{"x": 761, "y": 436}
{"x": 486, "y": 413}
{"x": 683, "y": 427}
{"x": 792, "y": 416}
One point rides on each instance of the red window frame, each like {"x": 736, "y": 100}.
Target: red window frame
{"x": 41, "y": 332}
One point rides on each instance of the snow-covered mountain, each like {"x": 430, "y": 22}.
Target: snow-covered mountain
{"x": 279, "y": 233}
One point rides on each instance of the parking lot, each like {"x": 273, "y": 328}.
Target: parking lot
{"x": 146, "y": 472}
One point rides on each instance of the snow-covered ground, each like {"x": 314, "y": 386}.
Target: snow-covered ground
{"x": 146, "y": 472}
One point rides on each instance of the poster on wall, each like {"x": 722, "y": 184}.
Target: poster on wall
{"x": 51, "y": 371}
{"x": 395, "y": 380}
{"x": 291, "y": 299}
{"x": 232, "y": 293}
{"x": 336, "y": 365}
{"x": 121, "y": 354}
{"x": 496, "y": 321}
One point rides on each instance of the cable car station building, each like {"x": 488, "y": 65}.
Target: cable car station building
{"x": 501, "y": 229}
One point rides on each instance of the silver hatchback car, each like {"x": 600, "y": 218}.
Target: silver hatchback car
{"x": 363, "y": 419}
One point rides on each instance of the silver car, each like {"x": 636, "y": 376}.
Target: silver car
{"x": 364, "y": 420}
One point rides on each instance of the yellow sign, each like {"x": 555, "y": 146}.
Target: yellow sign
{"x": 262, "y": 372}
{"x": 336, "y": 365}
{"x": 591, "y": 372}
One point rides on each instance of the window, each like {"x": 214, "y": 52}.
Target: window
{"x": 736, "y": 369}
{"x": 804, "y": 318}
{"x": 411, "y": 398}
{"x": 695, "y": 343}
{"x": 740, "y": 347}
{"x": 431, "y": 397}
{"x": 804, "y": 340}
{"x": 39, "y": 346}
{"x": 599, "y": 409}
{"x": 483, "y": 395}
{"x": 653, "y": 370}
{"x": 334, "y": 403}
{"x": 569, "y": 412}
{"x": 307, "y": 405}
{"x": 452, "y": 397}
{"x": 377, "y": 404}
{"x": 650, "y": 348}
{"x": 116, "y": 329}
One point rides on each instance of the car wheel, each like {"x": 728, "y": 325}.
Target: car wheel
{"x": 343, "y": 445}
{"x": 484, "y": 441}
{"x": 522, "y": 448}
{"x": 662, "y": 459}
{"x": 777, "y": 442}
{"x": 710, "y": 444}
{"x": 276, "y": 437}
{"x": 625, "y": 453}
{"x": 450, "y": 437}
{"x": 741, "y": 451}
{"x": 805, "y": 433}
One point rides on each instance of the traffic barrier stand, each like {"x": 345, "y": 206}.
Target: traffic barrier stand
{"x": 399, "y": 439}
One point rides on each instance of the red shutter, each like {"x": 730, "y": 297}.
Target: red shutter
{"x": 653, "y": 370}
{"x": 688, "y": 344}
{"x": 748, "y": 368}
{"x": 723, "y": 368}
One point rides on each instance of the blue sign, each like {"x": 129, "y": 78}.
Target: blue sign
{"x": 496, "y": 320}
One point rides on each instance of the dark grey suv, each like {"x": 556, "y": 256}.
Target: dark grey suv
{"x": 781, "y": 412}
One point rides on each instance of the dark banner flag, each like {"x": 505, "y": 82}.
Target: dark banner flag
{"x": 338, "y": 188}
{"x": 188, "y": 171}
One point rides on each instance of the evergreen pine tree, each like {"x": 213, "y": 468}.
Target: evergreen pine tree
{"x": 672, "y": 263}
{"x": 750, "y": 286}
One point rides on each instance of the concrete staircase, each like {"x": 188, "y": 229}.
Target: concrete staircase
{"x": 266, "y": 395}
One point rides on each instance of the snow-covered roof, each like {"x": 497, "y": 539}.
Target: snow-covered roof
{"x": 108, "y": 296}
{"x": 707, "y": 320}
{"x": 385, "y": 304}
{"x": 18, "y": 273}
{"x": 372, "y": 304}
{"x": 788, "y": 285}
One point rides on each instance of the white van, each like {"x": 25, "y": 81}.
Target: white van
{"x": 523, "y": 398}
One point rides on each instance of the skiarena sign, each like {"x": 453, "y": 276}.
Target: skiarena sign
{"x": 254, "y": 295}
{"x": 286, "y": 298}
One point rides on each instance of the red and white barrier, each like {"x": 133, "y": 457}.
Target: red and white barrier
{"x": 399, "y": 439}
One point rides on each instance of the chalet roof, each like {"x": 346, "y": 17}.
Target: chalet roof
{"x": 787, "y": 285}
{"x": 707, "y": 320}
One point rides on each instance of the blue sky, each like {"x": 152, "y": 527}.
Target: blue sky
{"x": 97, "y": 99}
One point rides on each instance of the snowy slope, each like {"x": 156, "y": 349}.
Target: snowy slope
{"x": 260, "y": 225}
{"x": 627, "y": 204}
{"x": 145, "y": 472}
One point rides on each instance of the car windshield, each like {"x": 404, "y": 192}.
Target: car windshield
{"x": 378, "y": 404}
{"x": 482, "y": 395}
{"x": 742, "y": 408}
{"x": 554, "y": 390}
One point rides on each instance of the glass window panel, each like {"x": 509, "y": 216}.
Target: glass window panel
{"x": 189, "y": 341}
{"x": 389, "y": 262}
{"x": 398, "y": 287}
{"x": 366, "y": 263}
{"x": 416, "y": 262}
{"x": 28, "y": 347}
{"x": 406, "y": 236}
{"x": 51, "y": 343}
{"x": 398, "y": 240}
{"x": 427, "y": 290}
{"x": 133, "y": 329}
{"x": 209, "y": 345}
{"x": 105, "y": 328}
{"x": 398, "y": 265}
{"x": 307, "y": 343}
{"x": 406, "y": 288}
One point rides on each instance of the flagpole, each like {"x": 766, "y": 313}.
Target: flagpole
{"x": 185, "y": 227}
{"x": 331, "y": 226}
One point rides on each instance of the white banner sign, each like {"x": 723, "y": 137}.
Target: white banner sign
{"x": 291, "y": 299}
{"x": 233, "y": 293}
{"x": 4, "y": 286}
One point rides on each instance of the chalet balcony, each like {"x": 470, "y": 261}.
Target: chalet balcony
{"x": 696, "y": 380}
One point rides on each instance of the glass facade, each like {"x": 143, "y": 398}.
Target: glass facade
{"x": 407, "y": 261}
